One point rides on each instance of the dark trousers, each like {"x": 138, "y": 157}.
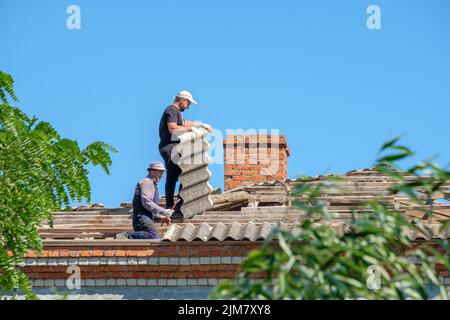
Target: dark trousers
{"x": 144, "y": 228}
{"x": 173, "y": 172}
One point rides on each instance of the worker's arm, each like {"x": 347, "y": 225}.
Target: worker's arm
{"x": 147, "y": 194}
{"x": 175, "y": 128}
{"x": 198, "y": 125}
{"x": 192, "y": 123}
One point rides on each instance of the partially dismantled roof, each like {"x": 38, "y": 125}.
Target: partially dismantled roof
{"x": 249, "y": 213}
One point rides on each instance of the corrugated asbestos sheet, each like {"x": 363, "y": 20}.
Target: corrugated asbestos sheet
{"x": 252, "y": 231}
{"x": 193, "y": 161}
{"x": 219, "y": 231}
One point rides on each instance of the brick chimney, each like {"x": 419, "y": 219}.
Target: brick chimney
{"x": 254, "y": 158}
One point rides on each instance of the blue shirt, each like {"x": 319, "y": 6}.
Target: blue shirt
{"x": 147, "y": 189}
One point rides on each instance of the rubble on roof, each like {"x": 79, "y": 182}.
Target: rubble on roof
{"x": 85, "y": 207}
{"x": 353, "y": 187}
{"x": 252, "y": 209}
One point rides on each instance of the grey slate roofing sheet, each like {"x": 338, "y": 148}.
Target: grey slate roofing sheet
{"x": 252, "y": 231}
{"x": 194, "y": 177}
{"x": 220, "y": 231}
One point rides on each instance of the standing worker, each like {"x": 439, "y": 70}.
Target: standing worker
{"x": 172, "y": 122}
{"x": 146, "y": 206}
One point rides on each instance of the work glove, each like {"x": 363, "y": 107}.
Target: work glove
{"x": 168, "y": 212}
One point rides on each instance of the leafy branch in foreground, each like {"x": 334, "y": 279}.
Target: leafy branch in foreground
{"x": 39, "y": 173}
{"x": 314, "y": 261}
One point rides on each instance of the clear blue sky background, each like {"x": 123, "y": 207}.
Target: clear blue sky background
{"x": 311, "y": 69}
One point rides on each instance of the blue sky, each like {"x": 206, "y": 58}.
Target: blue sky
{"x": 311, "y": 69}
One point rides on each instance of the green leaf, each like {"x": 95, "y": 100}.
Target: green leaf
{"x": 39, "y": 172}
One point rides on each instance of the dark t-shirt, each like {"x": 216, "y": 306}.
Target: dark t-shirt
{"x": 170, "y": 114}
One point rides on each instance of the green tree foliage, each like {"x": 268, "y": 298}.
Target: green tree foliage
{"x": 313, "y": 262}
{"x": 39, "y": 173}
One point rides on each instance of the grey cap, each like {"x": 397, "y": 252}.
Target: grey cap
{"x": 157, "y": 165}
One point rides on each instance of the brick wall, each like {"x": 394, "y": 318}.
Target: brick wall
{"x": 160, "y": 264}
{"x": 252, "y": 159}
{"x": 146, "y": 265}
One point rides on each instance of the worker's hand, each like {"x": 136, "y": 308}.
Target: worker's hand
{"x": 207, "y": 127}
{"x": 168, "y": 212}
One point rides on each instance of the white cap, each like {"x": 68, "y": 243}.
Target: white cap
{"x": 186, "y": 95}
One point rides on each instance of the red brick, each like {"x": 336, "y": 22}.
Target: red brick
{"x": 99, "y": 275}
{"x": 53, "y": 254}
{"x": 46, "y": 275}
{"x": 97, "y": 253}
{"x": 44, "y": 254}
{"x": 441, "y": 267}
{"x": 164, "y": 254}
{"x": 31, "y": 254}
{"x": 86, "y": 253}
{"x": 165, "y": 267}
{"x": 119, "y": 253}
{"x": 184, "y": 268}
{"x": 64, "y": 253}
{"x": 74, "y": 254}
{"x": 144, "y": 253}
{"x": 109, "y": 253}
{"x": 130, "y": 253}
{"x": 125, "y": 274}
{"x": 180, "y": 275}
{"x": 196, "y": 274}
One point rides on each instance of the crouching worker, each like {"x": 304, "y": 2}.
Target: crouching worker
{"x": 146, "y": 206}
